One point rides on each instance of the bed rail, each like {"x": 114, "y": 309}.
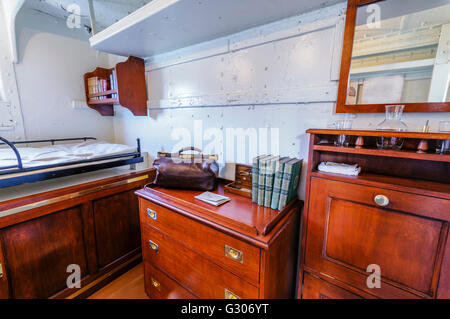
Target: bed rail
{"x": 35, "y": 173}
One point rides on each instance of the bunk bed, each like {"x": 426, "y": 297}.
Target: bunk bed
{"x": 19, "y": 165}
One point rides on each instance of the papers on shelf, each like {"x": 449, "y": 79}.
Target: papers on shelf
{"x": 213, "y": 199}
{"x": 339, "y": 168}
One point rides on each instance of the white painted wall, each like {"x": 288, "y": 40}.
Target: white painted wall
{"x": 52, "y": 61}
{"x": 281, "y": 75}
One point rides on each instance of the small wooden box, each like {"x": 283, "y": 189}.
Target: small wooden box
{"x": 242, "y": 184}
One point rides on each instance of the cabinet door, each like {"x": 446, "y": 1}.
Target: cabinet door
{"x": 4, "y": 289}
{"x": 347, "y": 231}
{"x": 37, "y": 253}
{"x": 315, "y": 288}
{"x": 116, "y": 220}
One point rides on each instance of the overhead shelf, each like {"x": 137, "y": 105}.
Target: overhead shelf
{"x": 166, "y": 25}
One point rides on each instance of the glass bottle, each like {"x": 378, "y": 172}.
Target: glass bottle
{"x": 392, "y": 123}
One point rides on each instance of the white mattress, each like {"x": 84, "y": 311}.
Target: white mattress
{"x": 62, "y": 153}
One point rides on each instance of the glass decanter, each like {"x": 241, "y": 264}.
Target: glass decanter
{"x": 392, "y": 123}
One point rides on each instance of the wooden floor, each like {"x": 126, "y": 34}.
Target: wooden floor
{"x": 128, "y": 286}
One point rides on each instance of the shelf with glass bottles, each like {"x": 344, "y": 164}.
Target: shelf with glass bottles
{"x": 415, "y": 145}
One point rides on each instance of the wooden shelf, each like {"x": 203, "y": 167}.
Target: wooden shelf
{"x": 104, "y": 93}
{"x": 163, "y": 25}
{"x": 131, "y": 88}
{"x": 415, "y": 165}
{"x": 418, "y": 135}
{"x": 379, "y": 152}
{"x": 104, "y": 102}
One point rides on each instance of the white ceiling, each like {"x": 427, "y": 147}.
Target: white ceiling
{"x": 107, "y": 12}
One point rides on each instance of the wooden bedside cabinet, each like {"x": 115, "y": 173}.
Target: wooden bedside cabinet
{"x": 195, "y": 250}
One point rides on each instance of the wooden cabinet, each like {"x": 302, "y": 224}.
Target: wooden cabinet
{"x": 94, "y": 226}
{"x": 38, "y": 253}
{"x": 353, "y": 224}
{"x": 116, "y": 223}
{"x": 208, "y": 252}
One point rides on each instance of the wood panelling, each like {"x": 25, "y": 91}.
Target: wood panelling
{"x": 444, "y": 279}
{"x": 282, "y": 258}
{"x": 404, "y": 246}
{"x": 4, "y": 287}
{"x": 315, "y": 288}
{"x": 204, "y": 278}
{"x": 116, "y": 221}
{"x": 39, "y": 251}
{"x": 159, "y": 286}
{"x": 204, "y": 239}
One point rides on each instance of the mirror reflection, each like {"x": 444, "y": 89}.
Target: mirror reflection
{"x": 401, "y": 53}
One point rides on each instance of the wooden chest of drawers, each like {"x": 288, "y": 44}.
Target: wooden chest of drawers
{"x": 394, "y": 217}
{"x": 195, "y": 250}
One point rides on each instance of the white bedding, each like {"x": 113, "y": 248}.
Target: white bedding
{"x": 62, "y": 153}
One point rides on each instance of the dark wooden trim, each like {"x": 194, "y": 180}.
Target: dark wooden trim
{"x": 341, "y": 106}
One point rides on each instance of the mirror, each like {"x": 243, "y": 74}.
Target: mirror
{"x": 396, "y": 52}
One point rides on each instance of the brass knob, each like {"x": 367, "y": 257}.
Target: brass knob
{"x": 381, "y": 200}
{"x": 234, "y": 254}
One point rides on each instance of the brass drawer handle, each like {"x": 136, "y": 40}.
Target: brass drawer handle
{"x": 153, "y": 245}
{"x": 156, "y": 284}
{"x": 381, "y": 200}
{"x": 230, "y": 295}
{"x": 1, "y": 271}
{"x": 152, "y": 214}
{"x": 234, "y": 254}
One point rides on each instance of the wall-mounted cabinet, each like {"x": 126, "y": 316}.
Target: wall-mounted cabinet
{"x": 123, "y": 85}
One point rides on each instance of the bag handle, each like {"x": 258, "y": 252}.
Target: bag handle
{"x": 189, "y": 148}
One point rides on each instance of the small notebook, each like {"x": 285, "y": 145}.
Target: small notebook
{"x": 213, "y": 199}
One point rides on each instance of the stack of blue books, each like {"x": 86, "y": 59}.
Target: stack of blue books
{"x": 275, "y": 180}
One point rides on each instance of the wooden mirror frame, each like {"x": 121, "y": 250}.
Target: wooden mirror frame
{"x": 347, "y": 48}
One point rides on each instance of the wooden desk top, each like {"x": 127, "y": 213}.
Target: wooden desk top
{"x": 239, "y": 214}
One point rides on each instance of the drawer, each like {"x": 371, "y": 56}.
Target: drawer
{"x": 234, "y": 254}
{"x": 350, "y": 236}
{"x": 159, "y": 286}
{"x": 201, "y": 276}
{"x": 315, "y": 288}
